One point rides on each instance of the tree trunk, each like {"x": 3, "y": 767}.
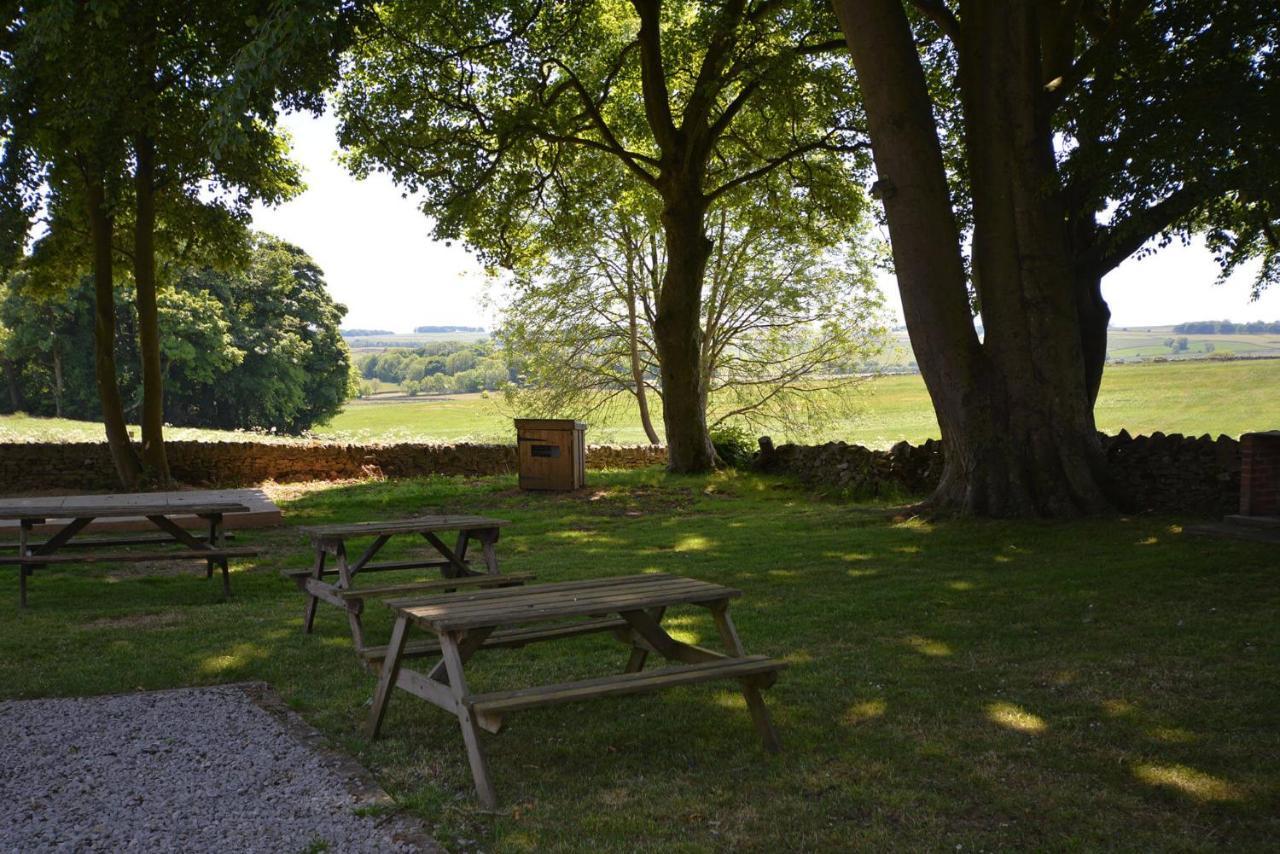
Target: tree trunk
{"x": 637, "y": 367}
{"x": 57, "y": 378}
{"x": 144, "y": 275}
{"x": 15, "y": 393}
{"x": 1017, "y": 428}
{"x": 678, "y": 334}
{"x": 1095, "y": 317}
{"x": 101, "y": 225}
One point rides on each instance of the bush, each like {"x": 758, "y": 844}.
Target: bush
{"x": 734, "y": 445}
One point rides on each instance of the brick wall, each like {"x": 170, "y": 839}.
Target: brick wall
{"x": 1260, "y": 474}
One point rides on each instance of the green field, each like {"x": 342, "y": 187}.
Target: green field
{"x": 959, "y": 686}
{"x": 1192, "y": 397}
{"x": 376, "y": 343}
{"x": 1144, "y": 344}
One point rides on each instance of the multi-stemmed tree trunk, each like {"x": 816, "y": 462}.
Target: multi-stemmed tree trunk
{"x": 144, "y": 276}
{"x": 1015, "y": 407}
{"x": 639, "y": 381}
{"x": 101, "y": 226}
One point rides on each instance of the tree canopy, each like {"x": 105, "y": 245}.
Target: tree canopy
{"x": 509, "y": 117}
{"x": 256, "y": 348}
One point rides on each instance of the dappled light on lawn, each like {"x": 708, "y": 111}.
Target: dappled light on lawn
{"x": 867, "y": 710}
{"x": 240, "y": 656}
{"x": 1188, "y": 781}
{"x": 694, "y": 543}
{"x": 1015, "y": 718}
{"x": 926, "y": 646}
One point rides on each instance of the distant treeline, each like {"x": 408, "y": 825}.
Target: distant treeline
{"x": 436, "y": 368}
{"x": 1226, "y": 327}
{"x": 356, "y": 333}
{"x": 424, "y": 330}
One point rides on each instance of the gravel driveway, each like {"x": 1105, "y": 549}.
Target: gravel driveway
{"x": 201, "y": 769}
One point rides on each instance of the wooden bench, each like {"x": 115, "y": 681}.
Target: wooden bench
{"x": 632, "y": 606}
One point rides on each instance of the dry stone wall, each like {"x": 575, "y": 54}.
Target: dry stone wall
{"x": 38, "y": 467}
{"x": 1167, "y": 473}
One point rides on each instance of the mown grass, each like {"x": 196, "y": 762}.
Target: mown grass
{"x": 961, "y": 685}
{"x": 1176, "y": 397}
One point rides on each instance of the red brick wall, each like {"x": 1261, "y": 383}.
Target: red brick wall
{"x": 1260, "y": 474}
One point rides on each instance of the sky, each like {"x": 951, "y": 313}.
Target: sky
{"x": 379, "y": 260}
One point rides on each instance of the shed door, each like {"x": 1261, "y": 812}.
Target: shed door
{"x": 546, "y": 462}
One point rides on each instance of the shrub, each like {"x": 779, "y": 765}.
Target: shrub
{"x": 734, "y": 445}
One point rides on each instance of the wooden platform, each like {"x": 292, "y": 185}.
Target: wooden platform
{"x": 263, "y": 513}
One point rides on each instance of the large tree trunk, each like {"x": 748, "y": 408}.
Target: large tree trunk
{"x": 101, "y": 225}
{"x": 1017, "y": 427}
{"x": 678, "y": 334}
{"x": 144, "y": 275}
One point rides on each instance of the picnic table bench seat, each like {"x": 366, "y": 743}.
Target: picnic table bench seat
{"x": 759, "y": 669}
{"x": 129, "y": 557}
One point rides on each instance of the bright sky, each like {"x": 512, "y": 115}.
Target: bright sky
{"x": 379, "y": 259}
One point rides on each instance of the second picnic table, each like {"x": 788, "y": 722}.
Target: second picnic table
{"x": 330, "y": 541}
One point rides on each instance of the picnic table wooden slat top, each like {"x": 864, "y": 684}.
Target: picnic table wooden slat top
{"x": 538, "y": 602}
{"x": 81, "y": 509}
{"x": 416, "y": 524}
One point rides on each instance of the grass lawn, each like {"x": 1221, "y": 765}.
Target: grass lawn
{"x": 1175, "y": 397}
{"x": 967, "y": 685}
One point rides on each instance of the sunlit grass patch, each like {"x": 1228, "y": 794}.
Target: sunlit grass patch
{"x": 1188, "y": 781}
{"x": 1015, "y": 717}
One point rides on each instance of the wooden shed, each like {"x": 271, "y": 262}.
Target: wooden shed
{"x": 553, "y": 453}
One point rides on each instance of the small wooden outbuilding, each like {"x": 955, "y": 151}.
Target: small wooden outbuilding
{"x": 553, "y": 453}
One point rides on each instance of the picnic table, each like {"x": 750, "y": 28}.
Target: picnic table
{"x": 465, "y": 622}
{"x": 72, "y": 515}
{"x": 331, "y": 541}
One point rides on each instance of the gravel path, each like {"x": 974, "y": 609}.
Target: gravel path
{"x": 202, "y": 769}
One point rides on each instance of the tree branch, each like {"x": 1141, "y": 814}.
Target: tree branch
{"x": 938, "y": 12}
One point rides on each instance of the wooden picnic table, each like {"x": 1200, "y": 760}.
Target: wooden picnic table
{"x": 79, "y": 511}
{"x": 465, "y": 622}
{"x": 331, "y": 541}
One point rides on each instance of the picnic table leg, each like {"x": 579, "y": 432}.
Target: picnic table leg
{"x": 489, "y": 539}
{"x": 345, "y": 574}
{"x": 639, "y": 654}
{"x": 24, "y": 530}
{"x": 470, "y": 728}
{"x": 387, "y": 677}
{"x": 216, "y": 540}
{"x": 317, "y": 572}
{"x": 755, "y": 703}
